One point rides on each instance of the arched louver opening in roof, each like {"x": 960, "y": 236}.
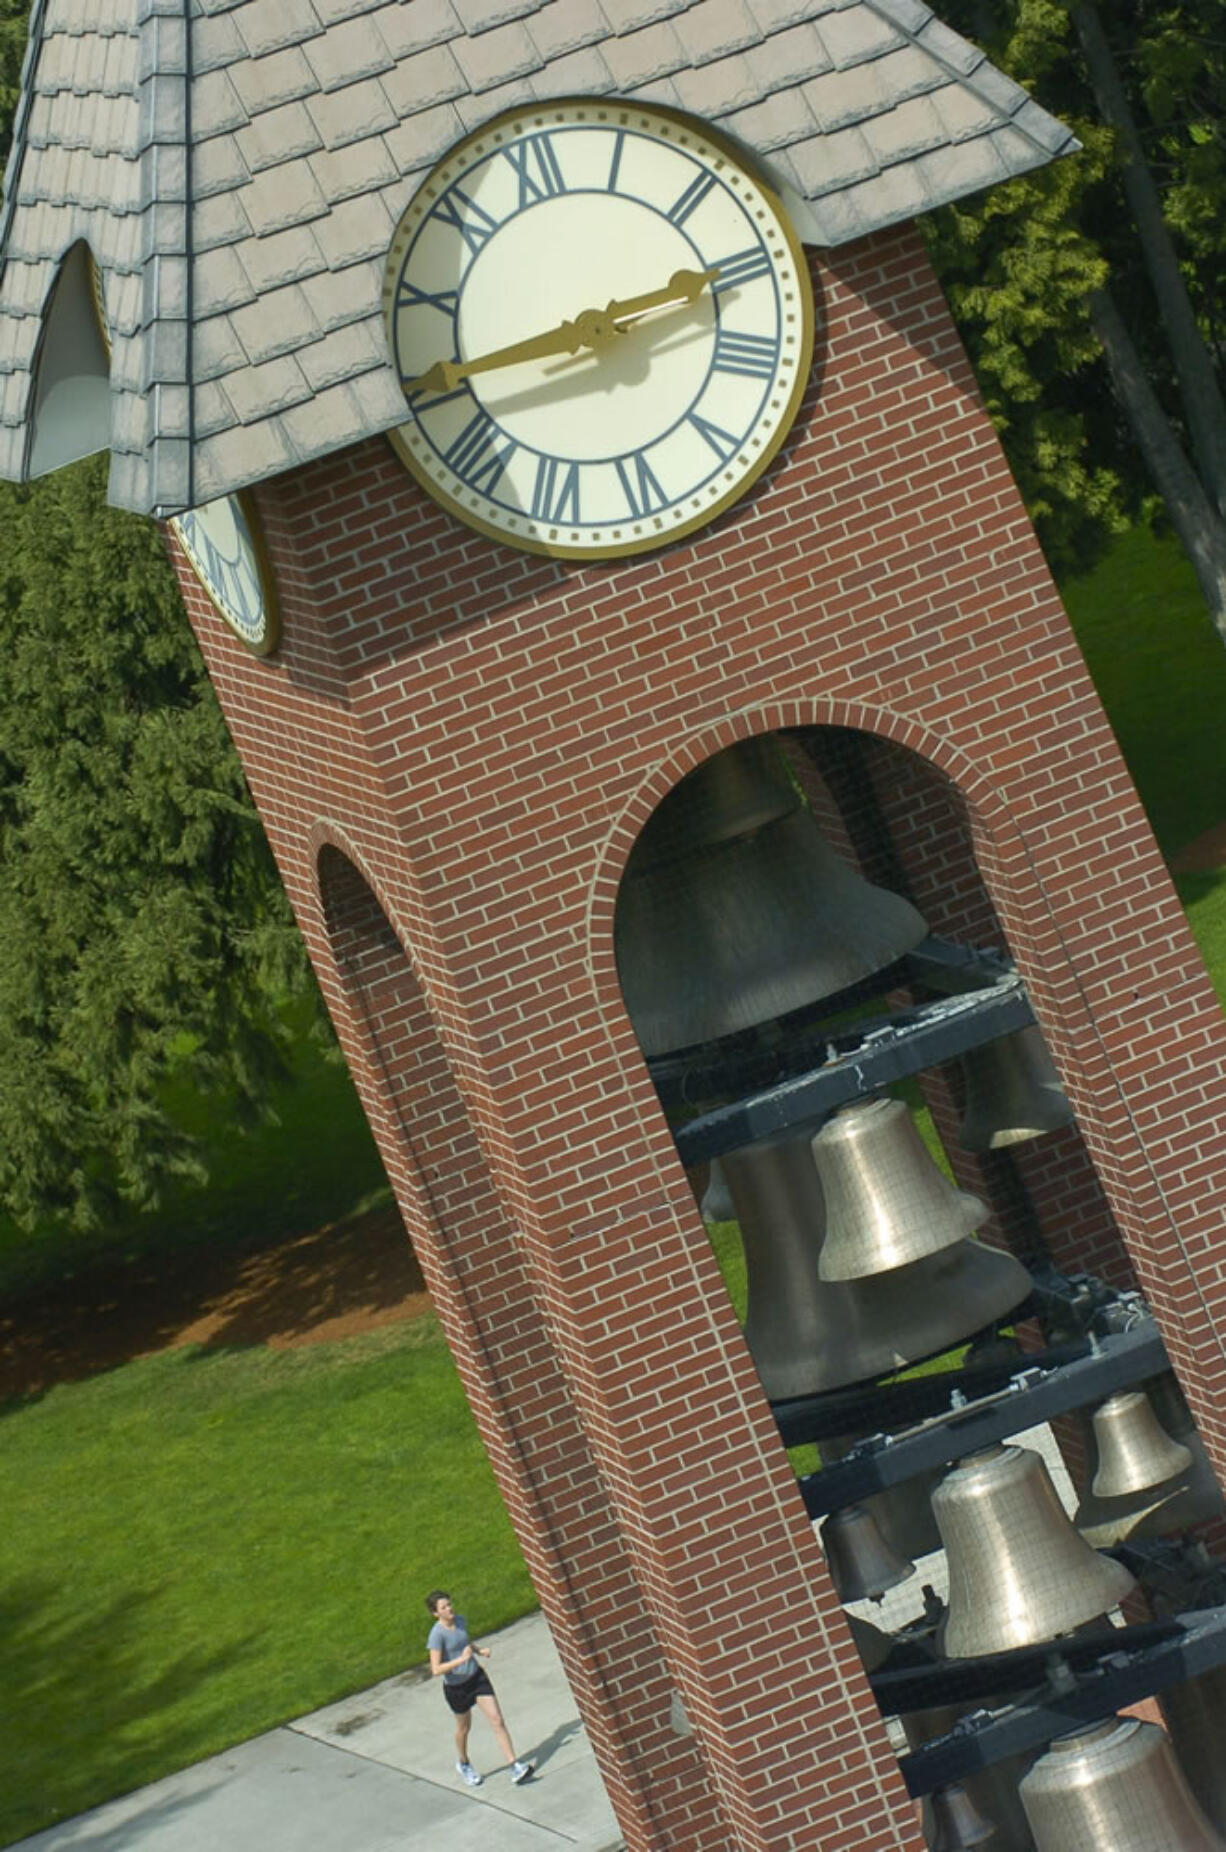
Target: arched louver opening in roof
{"x": 72, "y": 389}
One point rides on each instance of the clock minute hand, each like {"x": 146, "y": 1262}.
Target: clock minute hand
{"x": 594, "y": 328}
{"x": 682, "y": 286}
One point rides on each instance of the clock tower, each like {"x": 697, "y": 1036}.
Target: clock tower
{"x": 598, "y": 422}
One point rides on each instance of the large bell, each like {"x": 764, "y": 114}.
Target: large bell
{"x": 808, "y": 1335}
{"x": 886, "y": 1201}
{"x": 1012, "y": 1092}
{"x": 862, "y": 1565}
{"x": 954, "y": 1821}
{"x": 1116, "y": 1787}
{"x": 1135, "y": 1453}
{"x": 1195, "y": 1715}
{"x": 1019, "y": 1573}
{"x": 733, "y": 909}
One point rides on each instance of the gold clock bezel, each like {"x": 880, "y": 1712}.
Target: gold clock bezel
{"x": 617, "y": 113}
{"x": 271, "y": 639}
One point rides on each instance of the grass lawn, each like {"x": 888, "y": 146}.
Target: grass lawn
{"x": 204, "y": 1543}
{"x": 1160, "y": 670}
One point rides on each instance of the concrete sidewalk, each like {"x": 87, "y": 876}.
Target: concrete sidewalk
{"x": 377, "y": 1772}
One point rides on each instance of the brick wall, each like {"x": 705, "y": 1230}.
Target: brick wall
{"x": 475, "y": 737}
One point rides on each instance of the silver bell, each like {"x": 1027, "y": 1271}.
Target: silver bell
{"x": 887, "y": 1203}
{"x": 1116, "y": 1787}
{"x": 956, "y": 1822}
{"x": 733, "y": 908}
{"x": 808, "y": 1335}
{"x": 862, "y": 1566}
{"x": 1013, "y": 1092}
{"x": 1135, "y": 1452}
{"x": 1019, "y": 1573}
{"x": 716, "y": 1205}
{"x": 993, "y": 1790}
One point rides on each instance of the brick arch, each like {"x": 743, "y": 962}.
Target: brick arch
{"x": 471, "y": 1253}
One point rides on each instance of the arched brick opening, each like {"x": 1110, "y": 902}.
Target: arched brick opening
{"x": 472, "y": 1256}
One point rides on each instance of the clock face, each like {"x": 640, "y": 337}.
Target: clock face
{"x": 603, "y": 325}
{"x": 221, "y": 541}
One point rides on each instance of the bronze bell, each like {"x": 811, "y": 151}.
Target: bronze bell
{"x": 862, "y": 1566}
{"x": 716, "y": 1205}
{"x": 1019, "y": 1573}
{"x": 808, "y": 1335}
{"x": 1135, "y": 1453}
{"x": 903, "y": 1512}
{"x": 1115, "y": 1786}
{"x": 887, "y": 1203}
{"x": 1192, "y": 1497}
{"x": 733, "y": 909}
{"x": 955, "y": 1821}
{"x": 993, "y": 1790}
{"x": 1195, "y": 1714}
{"x": 1013, "y": 1092}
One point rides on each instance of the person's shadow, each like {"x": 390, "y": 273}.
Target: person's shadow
{"x": 557, "y": 1739}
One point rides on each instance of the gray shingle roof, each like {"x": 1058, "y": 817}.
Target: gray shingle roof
{"x": 284, "y": 163}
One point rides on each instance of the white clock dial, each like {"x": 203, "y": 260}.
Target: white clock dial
{"x": 603, "y": 324}
{"x": 221, "y": 540}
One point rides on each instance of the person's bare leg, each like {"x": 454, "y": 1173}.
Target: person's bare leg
{"x": 463, "y": 1724}
{"x": 490, "y": 1710}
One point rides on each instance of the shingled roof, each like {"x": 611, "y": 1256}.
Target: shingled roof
{"x": 238, "y": 191}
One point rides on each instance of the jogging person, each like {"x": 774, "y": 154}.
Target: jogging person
{"x": 454, "y": 1659}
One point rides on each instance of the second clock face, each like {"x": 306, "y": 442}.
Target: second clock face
{"x": 603, "y": 324}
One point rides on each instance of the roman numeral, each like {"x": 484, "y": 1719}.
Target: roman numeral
{"x": 693, "y": 197}
{"x": 535, "y": 161}
{"x": 753, "y": 355}
{"x": 475, "y": 455}
{"x": 408, "y": 296}
{"x": 722, "y": 442}
{"x": 741, "y": 267}
{"x": 555, "y": 493}
{"x": 464, "y": 215}
{"x": 643, "y": 493}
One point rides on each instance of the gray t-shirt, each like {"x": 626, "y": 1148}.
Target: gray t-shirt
{"x": 451, "y": 1642}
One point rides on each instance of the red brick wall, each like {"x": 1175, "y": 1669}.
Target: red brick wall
{"x": 482, "y": 734}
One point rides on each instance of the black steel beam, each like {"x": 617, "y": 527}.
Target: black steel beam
{"x": 1108, "y": 1364}
{"x": 1122, "y": 1674}
{"x": 885, "y": 1050}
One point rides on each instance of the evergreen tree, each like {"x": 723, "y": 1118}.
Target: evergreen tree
{"x": 143, "y": 929}
{"x": 1089, "y": 293}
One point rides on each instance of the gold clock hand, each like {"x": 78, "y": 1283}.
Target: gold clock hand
{"x": 594, "y": 328}
{"x": 682, "y": 286}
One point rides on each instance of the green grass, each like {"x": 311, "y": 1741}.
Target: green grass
{"x": 1160, "y": 670}
{"x": 204, "y": 1543}
{"x": 1204, "y": 901}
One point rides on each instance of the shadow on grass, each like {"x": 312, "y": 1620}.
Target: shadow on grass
{"x": 338, "y": 1279}
{"x": 81, "y": 1706}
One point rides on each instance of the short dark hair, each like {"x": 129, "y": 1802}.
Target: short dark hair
{"x": 435, "y": 1596}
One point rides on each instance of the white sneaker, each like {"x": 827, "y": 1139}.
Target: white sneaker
{"x": 468, "y": 1773}
{"x": 520, "y": 1771}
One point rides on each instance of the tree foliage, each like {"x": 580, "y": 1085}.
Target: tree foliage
{"x": 142, "y": 926}
{"x": 1025, "y": 264}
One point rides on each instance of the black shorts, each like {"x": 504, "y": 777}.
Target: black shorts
{"x": 461, "y": 1698}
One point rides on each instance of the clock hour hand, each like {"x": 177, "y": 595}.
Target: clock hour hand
{"x": 594, "y": 328}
